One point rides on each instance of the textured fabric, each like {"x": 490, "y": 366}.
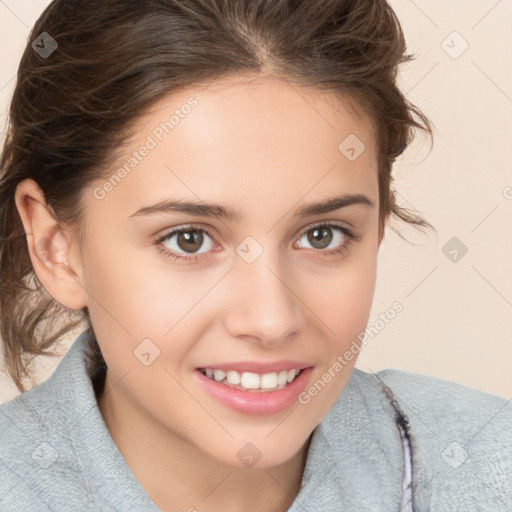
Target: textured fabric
{"x": 56, "y": 453}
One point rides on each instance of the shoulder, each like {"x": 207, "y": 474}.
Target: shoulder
{"x": 40, "y": 450}
{"x": 461, "y": 440}
{"x": 450, "y": 405}
{"x": 30, "y": 443}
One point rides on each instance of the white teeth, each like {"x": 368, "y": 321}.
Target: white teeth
{"x": 282, "y": 378}
{"x": 233, "y": 377}
{"x": 219, "y": 375}
{"x": 268, "y": 381}
{"x": 251, "y": 380}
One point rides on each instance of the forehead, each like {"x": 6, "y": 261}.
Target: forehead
{"x": 245, "y": 106}
{"x": 255, "y": 137}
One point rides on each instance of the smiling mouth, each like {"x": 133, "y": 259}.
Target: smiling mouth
{"x": 249, "y": 381}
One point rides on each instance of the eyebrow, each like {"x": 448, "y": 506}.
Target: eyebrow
{"x": 218, "y": 211}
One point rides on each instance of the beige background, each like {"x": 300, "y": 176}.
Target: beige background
{"x": 456, "y": 318}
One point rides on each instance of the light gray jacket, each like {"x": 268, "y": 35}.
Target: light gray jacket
{"x": 57, "y": 455}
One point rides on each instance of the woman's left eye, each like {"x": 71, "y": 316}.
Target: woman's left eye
{"x": 321, "y": 237}
{"x": 184, "y": 243}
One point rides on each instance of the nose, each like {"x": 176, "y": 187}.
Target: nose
{"x": 263, "y": 307}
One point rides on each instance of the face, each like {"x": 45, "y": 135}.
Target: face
{"x": 257, "y": 279}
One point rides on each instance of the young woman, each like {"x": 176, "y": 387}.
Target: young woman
{"x": 206, "y": 184}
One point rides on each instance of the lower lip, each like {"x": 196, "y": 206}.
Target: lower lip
{"x": 256, "y": 402}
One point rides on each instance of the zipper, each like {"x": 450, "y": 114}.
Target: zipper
{"x": 402, "y": 423}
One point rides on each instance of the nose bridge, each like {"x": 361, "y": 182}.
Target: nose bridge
{"x": 263, "y": 304}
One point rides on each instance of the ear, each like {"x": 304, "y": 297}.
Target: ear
{"x": 50, "y": 247}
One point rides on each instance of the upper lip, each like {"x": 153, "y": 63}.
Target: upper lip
{"x": 256, "y": 367}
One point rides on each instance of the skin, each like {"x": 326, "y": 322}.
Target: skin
{"x": 264, "y": 148}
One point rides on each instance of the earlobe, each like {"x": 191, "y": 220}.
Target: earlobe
{"x": 49, "y": 247}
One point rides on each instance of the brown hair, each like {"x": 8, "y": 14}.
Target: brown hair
{"x": 72, "y": 110}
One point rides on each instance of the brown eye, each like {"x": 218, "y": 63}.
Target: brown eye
{"x": 187, "y": 241}
{"x": 320, "y": 237}
{"x": 329, "y": 240}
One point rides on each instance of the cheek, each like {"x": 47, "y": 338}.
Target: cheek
{"x": 342, "y": 299}
{"x": 130, "y": 286}
{"x": 134, "y": 296}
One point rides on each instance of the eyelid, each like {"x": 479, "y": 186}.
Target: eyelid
{"x": 335, "y": 223}
{"x": 184, "y": 227}
{"x": 209, "y": 231}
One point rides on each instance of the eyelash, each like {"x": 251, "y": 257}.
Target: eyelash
{"x": 351, "y": 238}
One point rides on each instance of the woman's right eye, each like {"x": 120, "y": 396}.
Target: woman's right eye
{"x": 184, "y": 243}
